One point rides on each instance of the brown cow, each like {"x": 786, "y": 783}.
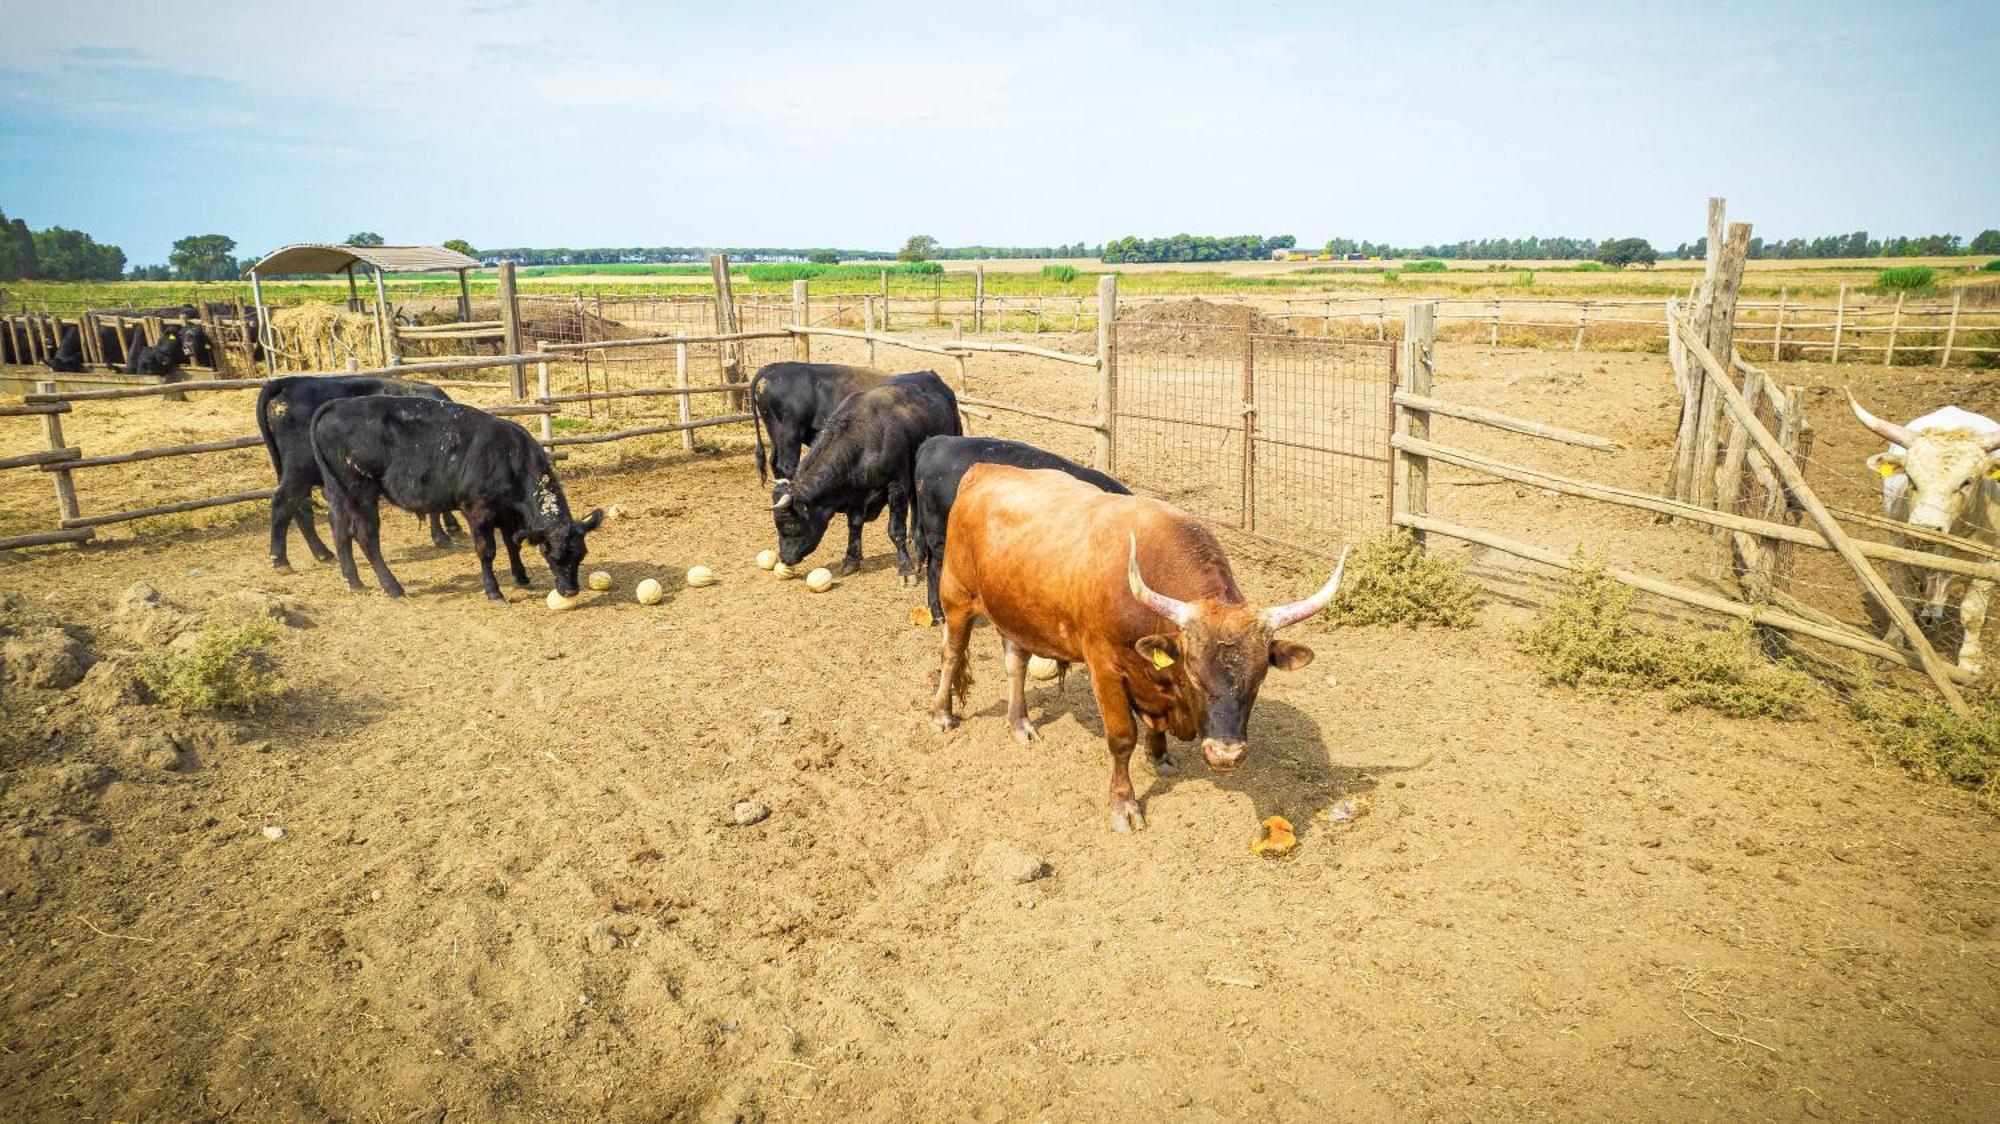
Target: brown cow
{"x": 1055, "y": 564}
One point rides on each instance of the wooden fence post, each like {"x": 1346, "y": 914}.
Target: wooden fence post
{"x": 1951, "y": 332}
{"x": 1839, "y": 323}
{"x": 1681, "y": 475}
{"x": 1494, "y": 340}
{"x": 1107, "y": 372}
{"x": 66, "y": 508}
{"x": 542, "y": 390}
{"x": 978, "y": 299}
{"x": 728, "y": 353}
{"x": 1719, "y": 338}
{"x": 1702, "y": 303}
{"x": 1582, "y": 319}
{"x": 885, "y": 300}
{"x": 1778, "y": 332}
{"x": 801, "y": 319}
{"x": 868, "y": 315}
{"x": 1836, "y": 535}
{"x": 510, "y": 329}
{"x": 384, "y": 330}
{"x": 681, "y": 381}
{"x": 1413, "y": 362}
{"x": 1895, "y": 322}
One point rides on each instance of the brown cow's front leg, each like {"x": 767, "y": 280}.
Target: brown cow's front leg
{"x": 1156, "y": 748}
{"x": 954, "y": 673}
{"x": 1017, "y": 691}
{"x": 1120, "y": 734}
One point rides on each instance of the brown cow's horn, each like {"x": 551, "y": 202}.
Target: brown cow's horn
{"x": 1888, "y": 431}
{"x": 783, "y": 501}
{"x": 1179, "y": 612}
{"x": 1278, "y": 616}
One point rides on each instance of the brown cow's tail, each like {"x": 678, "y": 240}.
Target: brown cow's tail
{"x": 961, "y": 682}
{"x": 757, "y": 425}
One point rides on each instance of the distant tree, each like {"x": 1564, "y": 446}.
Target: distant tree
{"x": 204, "y": 257}
{"x": 72, "y": 255}
{"x": 823, "y": 257}
{"x": 459, "y": 244}
{"x": 1985, "y": 242}
{"x": 920, "y": 247}
{"x": 17, "y": 251}
{"x": 1621, "y": 252}
{"x": 365, "y": 238}
{"x": 149, "y": 273}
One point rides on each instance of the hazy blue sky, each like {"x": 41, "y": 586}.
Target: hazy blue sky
{"x": 612, "y": 123}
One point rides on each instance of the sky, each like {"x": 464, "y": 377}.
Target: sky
{"x": 515, "y": 122}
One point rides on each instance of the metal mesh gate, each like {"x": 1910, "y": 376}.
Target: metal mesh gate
{"x": 1286, "y": 437}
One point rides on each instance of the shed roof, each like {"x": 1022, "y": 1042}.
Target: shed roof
{"x": 327, "y": 257}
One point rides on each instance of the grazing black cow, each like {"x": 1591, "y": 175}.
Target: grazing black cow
{"x": 864, "y": 457}
{"x": 163, "y": 358}
{"x": 942, "y": 462}
{"x": 284, "y": 416}
{"x": 194, "y": 341}
{"x": 432, "y": 457}
{"x": 794, "y": 401}
{"x": 68, "y": 354}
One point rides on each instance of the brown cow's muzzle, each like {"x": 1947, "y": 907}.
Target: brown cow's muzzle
{"x": 1224, "y": 757}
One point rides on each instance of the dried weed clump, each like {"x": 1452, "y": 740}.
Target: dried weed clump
{"x": 1392, "y": 580}
{"x": 225, "y": 669}
{"x": 1924, "y": 736}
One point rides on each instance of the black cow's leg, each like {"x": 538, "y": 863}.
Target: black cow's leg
{"x": 851, "y": 562}
{"x": 934, "y": 567}
{"x": 899, "y": 531}
{"x": 340, "y": 516}
{"x": 296, "y": 484}
{"x": 281, "y": 520}
{"x": 1114, "y": 706}
{"x": 482, "y": 545}
{"x": 438, "y": 537}
{"x": 368, "y": 528}
{"x": 520, "y": 572}
{"x": 1017, "y": 691}
{"x": 451, "y": 526}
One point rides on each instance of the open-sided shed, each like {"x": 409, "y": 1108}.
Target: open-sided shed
{"x": 325, "y": 257}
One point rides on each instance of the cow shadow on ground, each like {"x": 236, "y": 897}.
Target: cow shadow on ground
{"x": 1289, "y": 772}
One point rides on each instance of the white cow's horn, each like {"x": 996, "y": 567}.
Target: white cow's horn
{"x": 1278, "y": 616}
{"x": 783, "y": 501}
{"x": 1888, "y": 431}
{"x": 1179, "y": 612}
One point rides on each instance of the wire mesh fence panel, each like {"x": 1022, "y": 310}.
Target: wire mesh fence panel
{"x": 1283, "y": 436}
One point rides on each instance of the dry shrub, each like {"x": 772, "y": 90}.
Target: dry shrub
{"x": 1923, "y": 735}
{"x": 1392, "y": 580}
{"x": 1585, "y": 638}
{"x": 226, "y": 669}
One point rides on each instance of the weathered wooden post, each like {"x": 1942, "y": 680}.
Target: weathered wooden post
{"x": 1778, "y": 332}
{"x": 1413, "y": 359}
{"x": 542, "y": 390}
{"x": 1582, "y": 318}
{"x": 801, "y": 320}
{"x": 52, "y": 430}
{"x": 1107, "y": 372}
{"x": 1895, "y": 322}
{"x": 726, "y": 322}
{"x": 978, "y": 299}
{"x": 1951, "y": 331}
{"x": 681, "y": 381}
{"x": 384, "y": 343}
{"x": 885, "y": 300}
{"x": 510, "y": 329}
{"x": 1719, "y": 337}
{"x": 1839, "y": 323}
{"x": 868, "y": 325}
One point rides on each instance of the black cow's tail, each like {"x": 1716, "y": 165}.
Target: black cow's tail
{"x": 757, "y": 424}
{"x": 264, "y": 396}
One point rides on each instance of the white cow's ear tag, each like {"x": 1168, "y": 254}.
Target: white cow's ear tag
{"x": 1886, "y": 469}
{"x": 1161, "y": 659}
{"x": 1993, "y": 474}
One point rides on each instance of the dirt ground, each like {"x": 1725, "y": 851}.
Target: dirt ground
{"x": 509, "y": 882}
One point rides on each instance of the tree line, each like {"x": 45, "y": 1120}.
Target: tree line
{"x": 1858, "y": 245}
{"x": 1194, "y": 247}
{"x": 55, "y": 254}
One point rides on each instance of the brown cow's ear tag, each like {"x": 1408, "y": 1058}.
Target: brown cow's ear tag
{"x": 1161, "y": 659}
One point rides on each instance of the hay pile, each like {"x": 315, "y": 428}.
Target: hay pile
{"x": 1190, "y": 327}
{"x": 323, "y": 337}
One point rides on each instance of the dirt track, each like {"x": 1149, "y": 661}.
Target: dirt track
{"x": 508, "y": 884}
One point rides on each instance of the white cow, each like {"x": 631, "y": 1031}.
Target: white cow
{"x": 1940, "y": 474}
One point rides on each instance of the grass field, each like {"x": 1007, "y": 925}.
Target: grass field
{"x": 1011, "y": 277}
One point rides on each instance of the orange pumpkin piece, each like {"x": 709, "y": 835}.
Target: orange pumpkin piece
{"x": 1278, "y": 838}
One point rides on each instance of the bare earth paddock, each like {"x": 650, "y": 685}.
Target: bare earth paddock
{"x": 509, "y": 885}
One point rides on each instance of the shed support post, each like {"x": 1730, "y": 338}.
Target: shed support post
{"x": 382, "y": 325}
{"x": 263, "y": 324}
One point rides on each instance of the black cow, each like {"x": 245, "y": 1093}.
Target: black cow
{"x": 194, "y": 341}
{"x": 284, "y": 416}
{"x": 794, "y": 401}
{"x": 432, "y": 457}
{"x": 68, "y": 354}
{"x": 864, "y": 457}
{"x": 942, "y": 461}
{"x": 163, "y": 358}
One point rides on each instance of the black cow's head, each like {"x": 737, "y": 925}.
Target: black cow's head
{"x": 800, "y": 524}
{"x": 563, "y": 547}
{"x": 1202, "y": 678}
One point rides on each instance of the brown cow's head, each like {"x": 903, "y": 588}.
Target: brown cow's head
{"x": 1944, "y": 467}
{"x": 1204, "y": 676}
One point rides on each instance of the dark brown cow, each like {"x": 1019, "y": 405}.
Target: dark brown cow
{"x": 1057, "y": 566}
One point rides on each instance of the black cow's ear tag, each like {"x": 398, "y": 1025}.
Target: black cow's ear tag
{"x": 1161, "y": 659}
